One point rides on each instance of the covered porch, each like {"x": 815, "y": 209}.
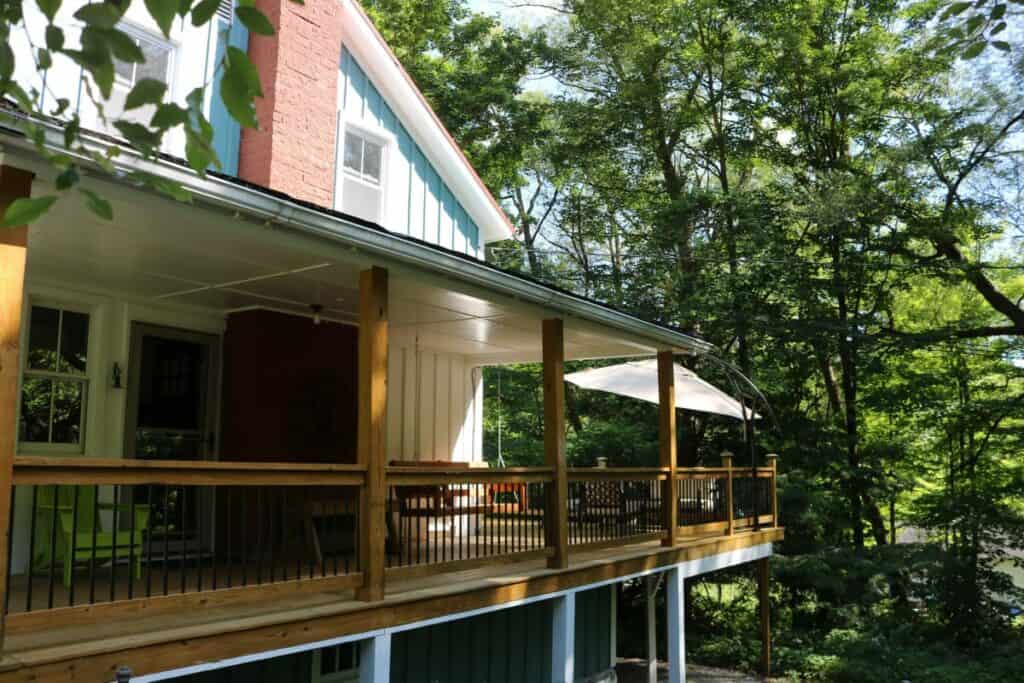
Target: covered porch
{"x": 215, "y": 406}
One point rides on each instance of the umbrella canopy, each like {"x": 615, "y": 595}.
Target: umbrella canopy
{"x": 639, "y": 379}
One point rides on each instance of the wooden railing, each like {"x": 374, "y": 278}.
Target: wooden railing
{"x": 88, "y": 531}
{"x": 613, "y": 504}
{"x": 437, "y": 516}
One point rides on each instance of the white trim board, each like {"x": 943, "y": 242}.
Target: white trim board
{"x": 687, "y": 569}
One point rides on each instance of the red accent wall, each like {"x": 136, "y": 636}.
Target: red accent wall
{"x": 290, "y": 389}
{"x": 293, "y": 150}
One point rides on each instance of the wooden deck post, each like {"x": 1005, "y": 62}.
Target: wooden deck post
{"x": 667, "y": 444}
{"x": 727, "y": 464}
{"x": 764, "y": 604}
{"x": 14, "y": 183}
{"x": 563, "y": 638}
{"x": 773, "y": 463}
{"x": 373, "y": 368}
{"x": 556, "y": 522}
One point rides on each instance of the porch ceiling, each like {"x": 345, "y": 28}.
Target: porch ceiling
{"x": 167, "y": 252}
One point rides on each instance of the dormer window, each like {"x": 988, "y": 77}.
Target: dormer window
{"x": 363, "y": 157}
{"x": 361, "y": 178}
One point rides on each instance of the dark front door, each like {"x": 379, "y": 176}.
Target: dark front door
{"x": 171, "y": 416}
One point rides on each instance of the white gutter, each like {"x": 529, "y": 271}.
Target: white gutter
{"x": 282, "y": 212}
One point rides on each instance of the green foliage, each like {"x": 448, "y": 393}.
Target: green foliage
{"x": 101, "y": 43}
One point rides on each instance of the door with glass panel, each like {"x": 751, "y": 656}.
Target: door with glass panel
{"x": 171, "y": 415}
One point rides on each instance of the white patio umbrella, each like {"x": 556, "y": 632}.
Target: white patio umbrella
{"x": 639, "y": 379}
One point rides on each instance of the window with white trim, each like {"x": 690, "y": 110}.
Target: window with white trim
{"x": 54, "y": 378}
{"x": 361, "y": 186}
{"x": 336, "y": 664}
{"x": 159, "y": 66}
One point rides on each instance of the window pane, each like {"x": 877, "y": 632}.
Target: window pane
{"x": 74, "y": 343}
{"x": 42, "y": 338}
{"x": 35, "y": 410}
{"x": 158, "y": 59}
{"x": 353, "y": 152}
{"x": 124, "y": 71}
{"x": 67, "y": 411}
{"x": 371, "y": 161}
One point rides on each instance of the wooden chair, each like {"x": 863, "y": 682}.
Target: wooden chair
{"x": 81, "y": 536}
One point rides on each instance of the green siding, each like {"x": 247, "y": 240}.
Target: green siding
{"x": 507, "y": 646}
{"x": 593, "y": 631}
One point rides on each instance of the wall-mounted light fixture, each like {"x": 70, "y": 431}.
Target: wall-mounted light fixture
{"x": 115, "y": 377}
{"x": 316, "y": 308}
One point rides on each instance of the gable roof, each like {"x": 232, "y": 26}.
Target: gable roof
{"x": 397, "y": 88}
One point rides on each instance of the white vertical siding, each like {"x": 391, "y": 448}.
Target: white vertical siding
{"x": 435, "y": 402}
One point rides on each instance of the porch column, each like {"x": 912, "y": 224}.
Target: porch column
{"x": 373, "y": 368}
{"x": 764, "y": 604}
{"x": 651, "y": 605}
{"x": 556, "y": 522}
{"x": 675, "y": 592}
{"x": 563, "y": 638}
{"x": 14, "y": 184}
{"x": 667, "y": 443}
{"x": 730, "y": 514}
{"x": 375, "y": 659}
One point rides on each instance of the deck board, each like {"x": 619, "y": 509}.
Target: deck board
{"x": 162, "y": 641}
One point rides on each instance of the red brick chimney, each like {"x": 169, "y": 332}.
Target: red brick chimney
{"x": 294, "y": 148}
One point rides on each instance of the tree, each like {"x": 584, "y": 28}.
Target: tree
{"x": 101, "y": 44}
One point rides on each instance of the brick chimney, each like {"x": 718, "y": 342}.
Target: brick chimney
{"x": 294, "y": 148}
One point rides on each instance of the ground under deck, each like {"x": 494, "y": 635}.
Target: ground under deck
{"x": 90, "y": 644}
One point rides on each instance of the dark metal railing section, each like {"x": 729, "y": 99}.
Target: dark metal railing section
{"x": 702, "y": 500}
{"x": 96, "y": 543}
{"x": 751, "y": 497}
{"x": 609, "y": 510}
{"x": 432, "y": 523}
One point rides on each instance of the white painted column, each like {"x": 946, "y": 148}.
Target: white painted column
{"x": 650, "y": 594}
{"x": 675, "y": 602}
{"x": 614, "y": 635}
{"x": 375, "y": 659}
{"x": 563, "y": 638}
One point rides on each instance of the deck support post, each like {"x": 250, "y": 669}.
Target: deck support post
{"x": 613, "y": 637}
{"x": 556, "y": 521}
{"x": 675, "y": 601}
{"x": 773, "y": 464}
{"x": 14, "y": 184}
{"x": 764, "y": 606}
{"x": 375, "y": 659}
{"x": 563, "y": 638}
{"x": 729, "y": 510}
{"x": 668, "y": 444}
{"x": 651, "y": 604}
{"x": 373, "y": 368}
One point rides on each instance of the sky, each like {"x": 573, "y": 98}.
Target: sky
{"x": 514, "y": 12}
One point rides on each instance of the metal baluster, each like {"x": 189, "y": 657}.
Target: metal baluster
{"x": 259, "y": 539}
{"x": 32, "y": 547}
{"x": 131, "y": 542}
{"x": 92, "y": 557}
{"x": 149, "y": 541}
{"x": 166, "y": 534}
{"x": 199, "y": 538}
{"x": 113, "y": 545}
{"x": 10, "y": 546}
{"x": 53, "y": 543}
{"x": 74, "y": 539}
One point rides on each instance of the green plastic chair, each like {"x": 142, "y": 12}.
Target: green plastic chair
{"x": 87, "y": 545}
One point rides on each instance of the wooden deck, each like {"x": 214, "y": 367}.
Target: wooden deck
{"x": 88, "y": 644}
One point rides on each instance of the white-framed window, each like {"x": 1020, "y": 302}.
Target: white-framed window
{"x": 362, "y": 171}
{"x": 336, "y": 664}
{"x": 159, "y": 62}
{"x": 55, "y": 380}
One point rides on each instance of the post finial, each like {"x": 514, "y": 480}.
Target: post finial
{"x": 727, "y": 457}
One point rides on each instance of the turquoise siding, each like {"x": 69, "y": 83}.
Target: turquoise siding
{"x": 506, "y": 646}
{"x": 593, "y": 632}
{"x": 419, "y": 204}
{"x": 226, "y": 131}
